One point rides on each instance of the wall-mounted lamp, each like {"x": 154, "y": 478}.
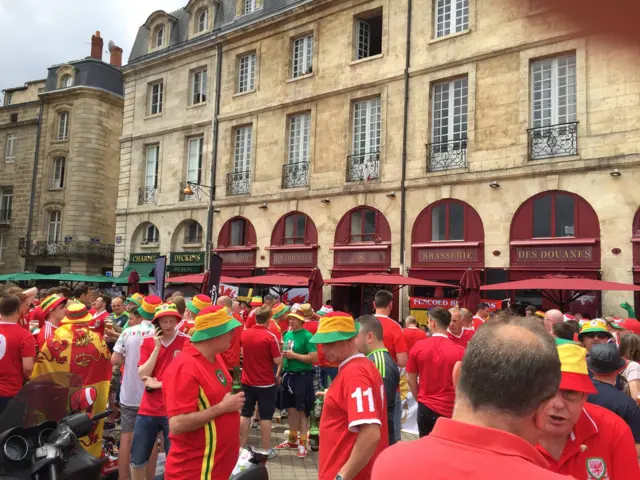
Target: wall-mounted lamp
{"x": 615, "y": 173}
{"x": 326, "y": 200}
{"x": 494, "y": 184}
{"x": 264, "y": 205}
{"x": 391, "y": 195}
{"x": 216, "y": 210}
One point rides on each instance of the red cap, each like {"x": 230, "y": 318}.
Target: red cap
{"x": 631, "y": 324}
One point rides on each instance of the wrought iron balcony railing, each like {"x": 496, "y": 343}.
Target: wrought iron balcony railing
{"x": 72, "y": 249}
{"x": 5, "y": 217}
{"x": 364, "y": 166}
{"x": 193, "y": 239}
{"x": 239, "y": 183}
{"x": 147, "y": 195}
{"x": 447, "y": 155}
{"x": 553, "y": 141}
{"x": 295, "y": 175}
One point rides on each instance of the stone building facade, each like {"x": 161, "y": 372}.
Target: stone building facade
{"x": 517, "y": 154}
{"x": 64, "y": 208}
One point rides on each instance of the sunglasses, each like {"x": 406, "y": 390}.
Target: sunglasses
{"x": 600, "y": 336}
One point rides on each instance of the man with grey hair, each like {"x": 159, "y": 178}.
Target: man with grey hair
{"x": 412, "y": 333}
{"x": 456, "y": 331}
{"x": 467, "y": 319}
{"x": 509, "y": 373}
{"x": 551, "y": 318}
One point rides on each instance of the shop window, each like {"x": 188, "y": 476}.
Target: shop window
{"x": 363, "y": 225}
{"x": 294, "y": 229}
{"x": 447, "y": 222}
{"x": 554, "y": 216}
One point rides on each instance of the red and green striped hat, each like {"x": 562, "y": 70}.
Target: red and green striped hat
{"x": 51, "y": 302}
{"x": 148, "y": 308}
{"x": 212, "y": 322}
{"x": 77, "y": 313}
{"x": 199, "y": 302}
{"x": 278, "y": 310}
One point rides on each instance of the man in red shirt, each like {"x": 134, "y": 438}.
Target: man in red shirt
{"x": 156, "y": 354}
{"x": 261, "y": 354}
{"x": 482, "y": 313}
{"x": 54, "y": 309}
{"x": 256, "y": 302}
{"x": 353, "y": 425}
{"x": 197, "y": 303}
{"x": 508, "y": 373}
{"x": 203, "y": 413}
{"x": 101, "y": 314}
{"x": 457, "y": 334}
{"x": 17, "y": 350}
{"x": 231, "y": 355}
{"x": 412, "y": 333}
{"x": 581, "y": 439}
{"x": 432, "y": 360}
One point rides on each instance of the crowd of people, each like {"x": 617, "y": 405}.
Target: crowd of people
{"x": 545, "y": 395}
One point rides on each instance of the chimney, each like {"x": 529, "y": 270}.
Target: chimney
{"x": 96, "y": 46}
{"x": 116, "y": 56}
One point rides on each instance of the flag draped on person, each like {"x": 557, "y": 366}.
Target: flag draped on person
{"x": 76, "y": 349}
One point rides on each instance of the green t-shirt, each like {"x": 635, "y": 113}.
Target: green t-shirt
{"x": 300, "y": 343}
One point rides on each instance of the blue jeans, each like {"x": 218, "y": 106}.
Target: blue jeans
{"x": 145, "y": 434}
{"x": 397, "y": 418}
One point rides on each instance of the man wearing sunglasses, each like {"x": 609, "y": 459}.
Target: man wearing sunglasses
{"x": 594, "y": 332}
{"x": 580, "y": 439}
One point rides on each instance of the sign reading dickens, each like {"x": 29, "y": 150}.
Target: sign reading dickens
{"x": 373, "y": 257}
{"x": 187, "y": 257}
{"x": 450, "y": 255}
{"x": 287, "y": 258}
{"x": 143, "y": 257}
{"x": 553, "y": 254}
{"x": 237, "y": 257}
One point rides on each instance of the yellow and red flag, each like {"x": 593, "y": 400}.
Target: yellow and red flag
{"x": 76, "y": 349}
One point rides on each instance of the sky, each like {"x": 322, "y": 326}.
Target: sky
{"x": 35, "y": 34}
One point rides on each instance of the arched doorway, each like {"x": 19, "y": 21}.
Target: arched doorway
{"x": 237, "y": 245}
{"x": 187, "y": 249}
{"x": 294, "y": 245}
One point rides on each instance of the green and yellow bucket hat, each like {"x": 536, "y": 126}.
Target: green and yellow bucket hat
{"x": 335, "y": 327}
{"x": 212, "y": 322}
{"x": 147, "y": 309}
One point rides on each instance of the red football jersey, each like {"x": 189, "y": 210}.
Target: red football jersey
{"x": 413, "y": 336}
{"x": 355, "y": 397}
{"x": 463, "y": 339}
{"x": 97, "y": 324}
{"x": 16, "y": 343}
{"x": 152, "y": 403}
{"x": 392, "y": 337}
{"x": 260, "y": 347}
{"x": 232, "y": 355}
{"x": 251, "y": 319}
{"x": 45, "y": 333}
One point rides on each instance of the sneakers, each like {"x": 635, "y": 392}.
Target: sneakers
{"x": 286, "y": 445}
{"x": 284, "y": 414}
{"x": 302, "y": 451}
{"x": 272, "y": 453}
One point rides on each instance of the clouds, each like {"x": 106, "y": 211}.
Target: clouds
{"x": 35, "y": 34}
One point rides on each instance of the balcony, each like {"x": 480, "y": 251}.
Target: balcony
{"x": 70, "y": 249}
{"x": 5, "y": 217}
{"x": 147, "y": 195}
{"x": 295, "y": 175}
{"x": 553, "y": 141}
{"x": 239, "y": 183}
{"x": 365, "y": 166}
{"x": 447, "y": 155}
{"x": 195, "y": 195}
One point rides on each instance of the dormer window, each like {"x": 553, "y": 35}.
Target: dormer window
{"x": 202, "y": 20}
{"x": 159, "y": 37}
{"x": 67, "y": 81}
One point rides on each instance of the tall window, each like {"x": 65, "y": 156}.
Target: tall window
{"x": 553, "y": 91}
{"x": 6, "y": 205}
{"x": 246, "y": 73}
{"x": 156, "y": 91}
{"x": 67, "y": 81}
{"x": 294, "y": 229}
{"x": 236, "y": 236}
{"x": 59, "y": 165}
{"x": 3, "y": 247}
{"x": 366, "y": 126}
{"x": 203, "y": 21}
{"x": 302, "y": 60}
{"x": 450, "y": 110}
{"x": 199, "y": 87}
{"x": 10, "y": 148}
{"x": 242, "y": 151}
{"x": 299, "y": 126}
{"x": 363, "y": 225}
{"x": 159, "y": 37}
{"x": 151, "y": 167}
{"x": 193, "y": 233}
{"x": 554, "y": 216}
{"x": 8, "y": 98}
{"x": 451, "y": 16}
{"x": 447, "y": 222}
{"x": 368, "y": 35}
{"x": 249, "y": 6}
{"x": 55, "y": 226}
{"x": 150, "y": 234}
{"x": 63, "y": 126}
{"x": 194, "y": 160}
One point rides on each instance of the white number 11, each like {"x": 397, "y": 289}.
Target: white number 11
{"x": 358, "y": 394}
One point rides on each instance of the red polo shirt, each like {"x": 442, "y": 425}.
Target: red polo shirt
{"x": 232, "y": 355}
{"x": 193, "y": 384}
{"x": 16, "y": 343}
{"x": 433, "y": 360}
{"x": 477, "y": 322}
{"x": 392, "y": 337}
{"x": 601, "y": 446}
{"x": 260, "y": 347}
{"x": 463, "y": 339}
{"x": 97, "y": 324}
{"x": 413, "y": 336}
{"x": 456, "y": 450}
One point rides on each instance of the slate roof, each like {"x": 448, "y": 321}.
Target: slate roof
{"x": 89, "y": 72}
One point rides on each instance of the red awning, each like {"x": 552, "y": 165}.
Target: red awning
{"x": 386, "y": 279}
{"x": 198, "y": 278}
{"x": 560, "y": 282}
{"x": 277, "y": 279}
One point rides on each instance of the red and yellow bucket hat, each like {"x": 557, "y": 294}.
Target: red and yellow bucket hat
{"x": 335, "y": 327}
{"x": 212, "y": 322}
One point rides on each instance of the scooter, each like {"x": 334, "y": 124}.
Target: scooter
{"x": 254, "y": 464}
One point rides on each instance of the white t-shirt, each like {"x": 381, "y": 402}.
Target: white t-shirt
{"x": 632, "y": 371}
{"x": 128, "y": 344}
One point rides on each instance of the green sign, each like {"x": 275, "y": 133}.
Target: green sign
{"x": 143, "y": 257}
{"x": 185, "y": 268}
{"x": 187, "y": 257}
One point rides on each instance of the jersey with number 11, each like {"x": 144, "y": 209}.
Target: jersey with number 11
{"x": 355, "y": 398}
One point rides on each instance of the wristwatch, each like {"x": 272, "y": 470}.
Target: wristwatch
{"x": 339, "y": 477}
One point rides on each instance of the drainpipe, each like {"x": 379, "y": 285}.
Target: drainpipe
{"x": 405, "y": 121}
{"x": 214, "y": 158}
{"x": 33, "y": 187}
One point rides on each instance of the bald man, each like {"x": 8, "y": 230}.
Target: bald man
{"x": 232, "y": 355}
{"x": 551, "y": 318}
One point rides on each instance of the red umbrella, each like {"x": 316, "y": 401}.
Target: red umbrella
{"x": 315, "y": 289}
{"x": 198, "y": 278}
{"x": 204, "y": 289}
{"x": 133, "y": 281}
{"x": 278, "y": 279}
{"x": 386, "y": 279}
{"x": 469, "y": 296}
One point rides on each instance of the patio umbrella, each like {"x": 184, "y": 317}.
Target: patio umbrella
{"x": 469, "y": 296}
{"x": 134, "y": 283}
{"x": 278, "y": 279}
{"x": 315, "y": 289}
{"x": 198, "y": 278}
{"x": 386, "y": 279}
{"x": 23, "y": 277}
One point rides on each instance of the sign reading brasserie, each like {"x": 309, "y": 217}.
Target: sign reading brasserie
{"x": 287, "y": 258}
{"x": 187, "y": 257}
{"x": 448, "y": 255}
{"x": 143, "y": 257}
{"x": 557, "y": 254}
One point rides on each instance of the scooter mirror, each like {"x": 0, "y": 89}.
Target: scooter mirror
{"x": 83, "y": 399}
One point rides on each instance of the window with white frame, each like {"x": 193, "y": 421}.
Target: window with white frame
{"x": 63, "y": 126}
{"x": 366, "y": 126}
{"x": 451, "y": 16}
{"x": 553, "y": 91}
{"x": 59, "y": 165}
{"x": 156, "y": 91}
{"x": 194, "y": 160}
{"x": 199, "y": 86}
{"x": 8, "y": 98}
{"x": 368, "y": 35}
{"x": 449, "y": 112}
{"x": 6, "y": 204}
{"x": 302, "y": 61}
{"x": 249, "y": 6}
{"x": 3, "y": 247}
{"x": 203, "y": 20}
{"x": 67, "y": 81}
{"x": 246, "y": 73}
{"x": 242, "y": 150}
{"x": 151, "y": 167}
{"x": 10, "y": 148}
{"x": 158, "y": 39}
{"x": 55, "y": 226}
{"x": 299, "y": 127}
{"x": 150, "y": 234}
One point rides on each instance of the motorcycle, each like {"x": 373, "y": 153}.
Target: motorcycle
{"x": 251, "y": 465}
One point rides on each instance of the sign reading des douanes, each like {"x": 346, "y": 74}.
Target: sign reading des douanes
{"x": 554, "y": 254}
{"x": 143, "y": 257}
{"x": 288, "y": 258}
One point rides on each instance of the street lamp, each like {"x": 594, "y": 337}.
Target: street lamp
{"x": 191, "y": 188}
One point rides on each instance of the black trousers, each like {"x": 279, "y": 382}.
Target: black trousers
{"x": 426, "y": 419}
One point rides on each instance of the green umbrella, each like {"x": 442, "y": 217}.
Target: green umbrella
{"x": 22, "y": 277}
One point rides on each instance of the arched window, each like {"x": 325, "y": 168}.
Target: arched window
{"x": 192, "y": 233}
{"x": 554, "y": 216}
{"x": 150, "y": 234}
{"x": 203, "y": 20}
{"x": 237, "y": 232}
{"x": 54, "y": 226}
{"x": 295, "y": 227}
{"x": 447, "y": 222}
{"x": 67, "y": 81}
{"x": 363, "y": 225}
{"x": 159, "y": 37}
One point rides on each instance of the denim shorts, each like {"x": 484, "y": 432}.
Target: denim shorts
{"x": 145, "y": 434}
